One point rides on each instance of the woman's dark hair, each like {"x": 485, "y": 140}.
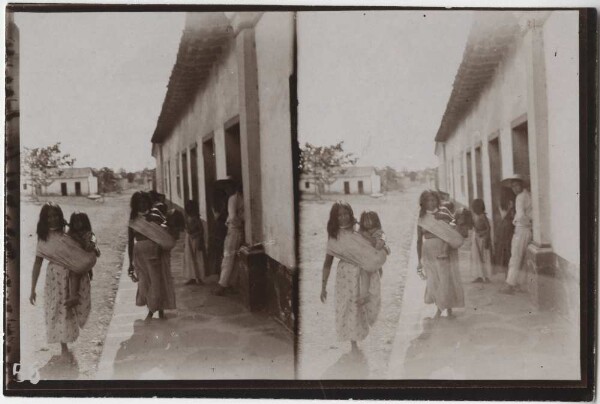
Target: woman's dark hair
{"x": 43, "y": 227}
{"x": 192, "y": 208}
{"x": 506, "y": 196}
{"x": 369, "y": 217}
{"x": 83, "y": 219}
{"x": 423, "y": 200}
{"x": 478, "y": 206}
{"x": 333, "y": 225}
{"x": 136, "y": 200}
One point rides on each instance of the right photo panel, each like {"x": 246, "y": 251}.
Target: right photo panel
{"x": 439, "y": 233}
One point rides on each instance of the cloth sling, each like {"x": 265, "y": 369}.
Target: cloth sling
{"x": 153, "y": 231}
{"x": 441, "y": 230}
{"x": 61, "y": 249}
{"x": 355, "y": 249}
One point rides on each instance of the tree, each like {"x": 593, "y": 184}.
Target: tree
{"x": 389, "y": 179}
{"x": 322, "y": 163}
{"x": 107, "y": 180}
{"x": 40, "y": 164}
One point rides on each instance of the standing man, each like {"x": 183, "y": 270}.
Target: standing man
{"x": 235, "y": 234}
{"x": 522, "y": 234}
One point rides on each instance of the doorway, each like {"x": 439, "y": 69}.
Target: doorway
{"x": 361, "y": 189}
{"x": 520, "y": 143}
{"x": 78, "y": 188}
{"x": 194, "y": 169}
{"x": 233, "y": 151}
{"x": 210, "y": 176}
{"x": 346, "y": 187}
{"x": 186, "y": 185}
{"x": 495, "y": 179}
{"x": 63, "y": 188}
{"x": 478, "y": 172}
{"x": 470, "y": 177}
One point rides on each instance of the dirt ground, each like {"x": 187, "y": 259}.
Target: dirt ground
{"x": 109, "y": 222}
{"x": 321, "y": 355}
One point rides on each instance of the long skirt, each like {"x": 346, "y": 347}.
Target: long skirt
{"x": 444, "y": 287}
{"x": 62, "y": 324}
{"x": 521, "y": 239}
{"x": 481, "y": 257}
{"x": 153, "y": 269}
{"x": 193, "y": 259}
{"x": 351, "y": 320}
{"x": 233, "y": 241}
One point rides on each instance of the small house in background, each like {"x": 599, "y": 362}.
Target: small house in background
{"x": 72, "y": 181}
{"x": 353, "y": 180}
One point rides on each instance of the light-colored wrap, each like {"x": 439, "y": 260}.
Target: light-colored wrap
{"x": 153, "y": 231}
{"x": 66, "y": 252}
{"x": 441, "y": 230}
{"x": 355, "y": 249}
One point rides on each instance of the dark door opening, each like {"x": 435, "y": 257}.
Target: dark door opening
{"x": 521, "y": 149}
{"x": 63, "y": 188}
{"x": 186, "y": 184}
{"x": 194, "y": 169}
{"x": 233, "y": 152}
{"x": 361, "y": 189}
{"x": 495, "y": 180}
{"x": 78, "y": 188}
{"x": 470, "y": 177}
{"x": 210, "y": 176}
{"x": 346, "y": 187}
{"x": 479, "y": 172}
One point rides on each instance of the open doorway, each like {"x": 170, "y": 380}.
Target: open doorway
{"x": 233, "y": 151}
{"x": 63, "y": 188}
{"x": 478, "y": 172}
{"x": 470, "y": 177}
{"x": 210, "y": 176}
{"x": 194, "y": 170}
{"x": 361, "y": 188}
{"x": 520, "y": 141}
{"x": 495, "y": 179}
{"x": 186, "y": 185}
{"x": 78, "y": 188}
{"x": 346, "y": 187}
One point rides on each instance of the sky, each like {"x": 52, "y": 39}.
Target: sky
{"x": 96, "y": 82}
{"x": 379, "y": 81}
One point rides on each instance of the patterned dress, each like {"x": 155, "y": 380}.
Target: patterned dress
{"x": 62, "y": 324}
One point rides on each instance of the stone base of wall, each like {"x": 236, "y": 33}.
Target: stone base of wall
{"x": 553, "y": 282}
{"x": 265, "y": 284}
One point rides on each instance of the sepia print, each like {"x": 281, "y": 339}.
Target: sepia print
{"x": 281, "y": 196}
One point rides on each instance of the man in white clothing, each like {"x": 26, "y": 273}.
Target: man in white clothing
{"x": 522, "y": 235}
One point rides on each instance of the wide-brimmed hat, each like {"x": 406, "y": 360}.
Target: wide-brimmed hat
{"x": 507, "y": 182}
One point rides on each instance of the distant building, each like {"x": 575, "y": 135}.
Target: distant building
{"x": 72, "y": 181}
{"x": 354, "y": 180}
{"x": 514, "y": 107}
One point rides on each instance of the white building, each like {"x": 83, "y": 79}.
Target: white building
{"x": 72, "y": 181}
{"x": 353, "y": 180}
{"x": 514, "y": 107}
{"x": 227, "y": 113}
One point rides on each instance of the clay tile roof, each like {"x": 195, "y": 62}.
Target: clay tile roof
{"x": 492, "y": 35}
{"x": 354, "y": 171}
{"x": 72, "y": 172}
{"x": 201, "y": 43}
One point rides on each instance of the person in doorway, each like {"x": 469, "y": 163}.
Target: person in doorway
{"x": 522, "y": 233}
{"x": 481, "y": 255}
{"x": 194, "y": 263}
{"x": 235, "y": 234}
{"x": 505, "y": 231}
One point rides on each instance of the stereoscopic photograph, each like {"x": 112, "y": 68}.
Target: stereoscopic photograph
{"x": 297, "y": 198}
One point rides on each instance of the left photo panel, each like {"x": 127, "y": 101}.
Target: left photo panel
{"x": 156, "y": 198}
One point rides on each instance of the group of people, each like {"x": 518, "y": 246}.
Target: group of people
{"x": 441, "y": 231}
{"x": 71, "y": 251}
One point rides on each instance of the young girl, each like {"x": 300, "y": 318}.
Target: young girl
{"x": 370, "y": 229}
{"x": 80, "y": 230}
{"x": 194, "y": 251}
{"x": 481, "y": 262}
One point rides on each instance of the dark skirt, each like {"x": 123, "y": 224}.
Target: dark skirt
{"x": 153, "y": 269}
{"x": 502, "y": 246}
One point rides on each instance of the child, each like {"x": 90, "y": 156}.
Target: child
{"x": 445, "y": 213}
{"x": 80, "y": 230}
{"x": 194, "y": 251}
{"x": 370, "y": 229}
{"x": 481, "y": 243}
